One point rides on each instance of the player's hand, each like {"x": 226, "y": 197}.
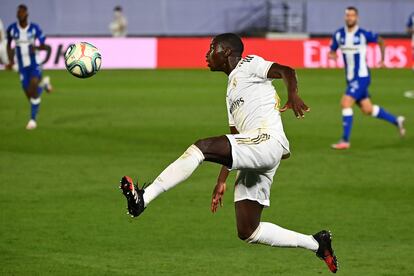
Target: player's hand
{"x": 297, "y": 105}
{"x": 217, "y": 197}
{"x": 9, "y": 66}
{"x": 332, "y": 55}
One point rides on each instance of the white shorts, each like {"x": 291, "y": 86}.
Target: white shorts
{"x": 256, "y": 158}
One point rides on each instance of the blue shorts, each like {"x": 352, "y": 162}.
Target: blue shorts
{"x": 29, "y": 72}
{"x": 358, "y": 89}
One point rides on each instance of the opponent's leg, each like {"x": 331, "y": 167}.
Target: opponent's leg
{"x": 347, "y": 117}
{"x": 46, "y": 84}
{"x": 215, "y": 149}
{"x": 33, "y": 93}
{"x": 378, "y": 112}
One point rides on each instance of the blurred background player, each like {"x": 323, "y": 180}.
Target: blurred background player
{"x": 410, "y": 30}
{"x": 353, "y": 40}
{"x": 118, "y": 26}
{"x": 24, "y": 35}
{"x": 3, "y": 48}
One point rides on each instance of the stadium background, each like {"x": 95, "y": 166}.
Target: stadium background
{"x": 294, "y": 26}
{"x": 61, "y": 212}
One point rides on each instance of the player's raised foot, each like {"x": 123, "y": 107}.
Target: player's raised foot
{"x": 31, "y": 125}
{"x": 46, "y": 84}
{"x": 401, "y": 129}
{"x": 341, "y": 145}
{"x": 325, "y": 251}
{"x": 134, "y": 196}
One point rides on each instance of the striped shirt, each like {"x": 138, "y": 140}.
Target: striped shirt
{"x": 25, "y": 40}
{"x": 353, "y": 46}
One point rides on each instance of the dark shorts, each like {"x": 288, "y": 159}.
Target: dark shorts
{"x": 29, "y": 72}
{"x": 358, "y": 89}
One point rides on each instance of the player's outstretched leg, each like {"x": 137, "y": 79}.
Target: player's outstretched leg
{"x": 381, "y": 113}
{"x": 325, "y": 251}
{"x": 252, "y": 230}
{"x": 378, "y": 112}
{"x": 216, "y": 149}
{"x": 134, "y": 196}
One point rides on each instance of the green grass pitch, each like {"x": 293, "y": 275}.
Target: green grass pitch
{"x": 61, "y": 212}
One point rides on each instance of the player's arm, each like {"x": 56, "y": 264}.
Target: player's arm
{"x": 333, "y": 47}
{"x": 220, "y": 187}
{"x": 9, "y": 53}
{"x": 279, "y": 71}
{"x": 381, "y": 45}
{"x": 332, "y": 55}
{"x": 42, "y": 42}
{"x": 44, "y": 47}
{"x": 47, "y": 48}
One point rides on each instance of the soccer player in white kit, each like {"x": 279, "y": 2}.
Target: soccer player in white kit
{"x": 3, "y": 45}
{"x": 254, "y": 148}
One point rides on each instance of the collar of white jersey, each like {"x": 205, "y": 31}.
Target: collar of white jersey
{"x": 237, "y": 65}
{"x": 354, "y": 31}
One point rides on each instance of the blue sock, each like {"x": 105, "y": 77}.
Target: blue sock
{"x": 34, "y": 106}
{"x": 347, "y": 116}
{"x": 379, "y": 112}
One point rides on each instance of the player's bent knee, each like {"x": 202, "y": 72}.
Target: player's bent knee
{"x": 202, "y": 144}
{"x": 367, "y": 111}
{"x": 199, "y": 144}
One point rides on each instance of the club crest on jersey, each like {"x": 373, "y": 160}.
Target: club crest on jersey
{"x": 356, "y": 39}
{"x": 234, "y": 83}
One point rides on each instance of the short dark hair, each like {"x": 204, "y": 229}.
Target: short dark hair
{"x": 232, "y": 40}
{"x": 22, "y": 6}
{"x": 118, "y": 8}
{"x": 352, "y": 8}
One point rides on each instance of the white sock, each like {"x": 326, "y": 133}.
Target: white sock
{"x": 273, "y": 235}
{"x": 175, "y": 173}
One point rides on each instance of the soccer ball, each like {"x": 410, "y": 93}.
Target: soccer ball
{"x": 82, "y": 59}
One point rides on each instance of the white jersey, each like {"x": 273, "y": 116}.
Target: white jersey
{"x": 252, "y": 101}
{"x": 4, "y": 59}
{"x": 2, "y": 33}
{"x": 118, "y": 26}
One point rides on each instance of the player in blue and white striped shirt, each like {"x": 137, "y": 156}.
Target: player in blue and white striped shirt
{"x": 24, "y": 34}
{"x": 353, "y": 41}
{"x": 410, "y": 30}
